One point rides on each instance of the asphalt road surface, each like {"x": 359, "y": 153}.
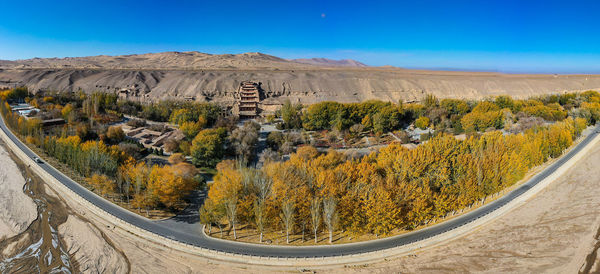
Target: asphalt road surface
{"x": 198, "y": 239}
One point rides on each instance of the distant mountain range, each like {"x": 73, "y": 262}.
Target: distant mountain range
{"x": 330, "y": 63}
{"x": 180, "y": 60}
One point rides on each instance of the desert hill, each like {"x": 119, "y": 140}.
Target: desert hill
{"x": 208, "y": 77}
{"x": 163, "y": 60}
{"x": 329, "y": 62}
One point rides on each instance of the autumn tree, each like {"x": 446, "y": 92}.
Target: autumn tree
{"x": 171, "y": 145}
{"x": 102, "y": 183}
{"x": 261, "y": 186}
{"x": 422, "y": 122}
{"x": 287, "y": 217}
{"x": 330, "y": 214}
{"x": 168, "y": 185}
{"x": 206, "y": 218}
{"x": 315, "y": 215}
{"x": 231, "y": 211}
{"x": 176, "y": 158}
{"x": 224, "y": 191}
{"x": 66, "y": 111}
{"x": 115, "y": 134}
{"x": 190, "y": 129}
{"x": 244, "y": 139}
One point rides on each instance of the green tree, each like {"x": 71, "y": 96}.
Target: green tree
{"x": 190, "y": 129}
{"x": 207, "y": 147}
{"x": 291, "y": 115}
{"x": 422, "y": 122}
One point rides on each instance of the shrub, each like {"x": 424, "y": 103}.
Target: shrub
{"x": 422, "y": 122}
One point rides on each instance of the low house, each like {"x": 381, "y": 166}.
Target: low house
{"x": 148, "y": 138}
{"x": 132, "y": 132}
{"x": 53, "y": 122}
{"x": 28, "y": 112}
{"x": 24, "y": 110}
{"x": 415, "y": 133}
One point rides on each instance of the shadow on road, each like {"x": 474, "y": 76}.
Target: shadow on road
{"x": 188, "y": 219}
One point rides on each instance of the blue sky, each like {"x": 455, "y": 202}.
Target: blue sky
{"x": 509, "y": 36}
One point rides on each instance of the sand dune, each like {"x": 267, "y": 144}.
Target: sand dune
{"x": 163, "y": 60}
{"x": 17, "y": 210}
{"x": 90, "y": 249}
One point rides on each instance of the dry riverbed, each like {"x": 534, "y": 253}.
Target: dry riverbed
{"x": 41, "y": 234}
{"x": 17, "y": 210}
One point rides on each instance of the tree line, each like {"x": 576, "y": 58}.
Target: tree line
{"x": 448, "y": 115}
{"x": 392, "y": 189}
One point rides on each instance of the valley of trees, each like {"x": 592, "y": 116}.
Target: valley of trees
{"x": 313, "y": 192}
{"x": 452, "y": 116}
{"x": 396, "y": 188}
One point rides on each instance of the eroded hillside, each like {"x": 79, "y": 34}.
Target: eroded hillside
{"x": 206, "y": 77}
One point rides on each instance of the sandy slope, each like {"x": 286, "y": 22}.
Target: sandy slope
{"x": 306, "y": 86}
{"x": 162, "y": 60}
{"x": 329, "y": 62}
{"x": 89, "y": 248}
{"x": 207, "y": 77}
{"x": 17, "y": 210}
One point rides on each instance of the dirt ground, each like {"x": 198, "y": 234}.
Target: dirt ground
{"x": 17, "y": 210}
{"x": 91, "y": 251}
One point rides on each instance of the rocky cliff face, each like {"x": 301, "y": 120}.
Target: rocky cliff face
{"x": 205, "y": 77}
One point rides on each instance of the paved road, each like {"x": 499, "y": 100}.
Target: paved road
{"x": 200, "y": 240}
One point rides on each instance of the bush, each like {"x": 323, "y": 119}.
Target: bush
{"x": 32, "y": 140}
{"x": 135, "y": 151}
{"x": 280, "y": 126}
{"x": 422, "y": 122}
{"x": 275, "y": 139}
{"x": 115, "y": 134}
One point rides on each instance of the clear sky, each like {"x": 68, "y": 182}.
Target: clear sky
{"x": 510, "y": 36}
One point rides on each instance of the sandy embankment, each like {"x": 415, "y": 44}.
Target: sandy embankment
{"x": 90, "y": 249}
{"x": 148, "y": 257}
{"x": 17, "y": 210}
